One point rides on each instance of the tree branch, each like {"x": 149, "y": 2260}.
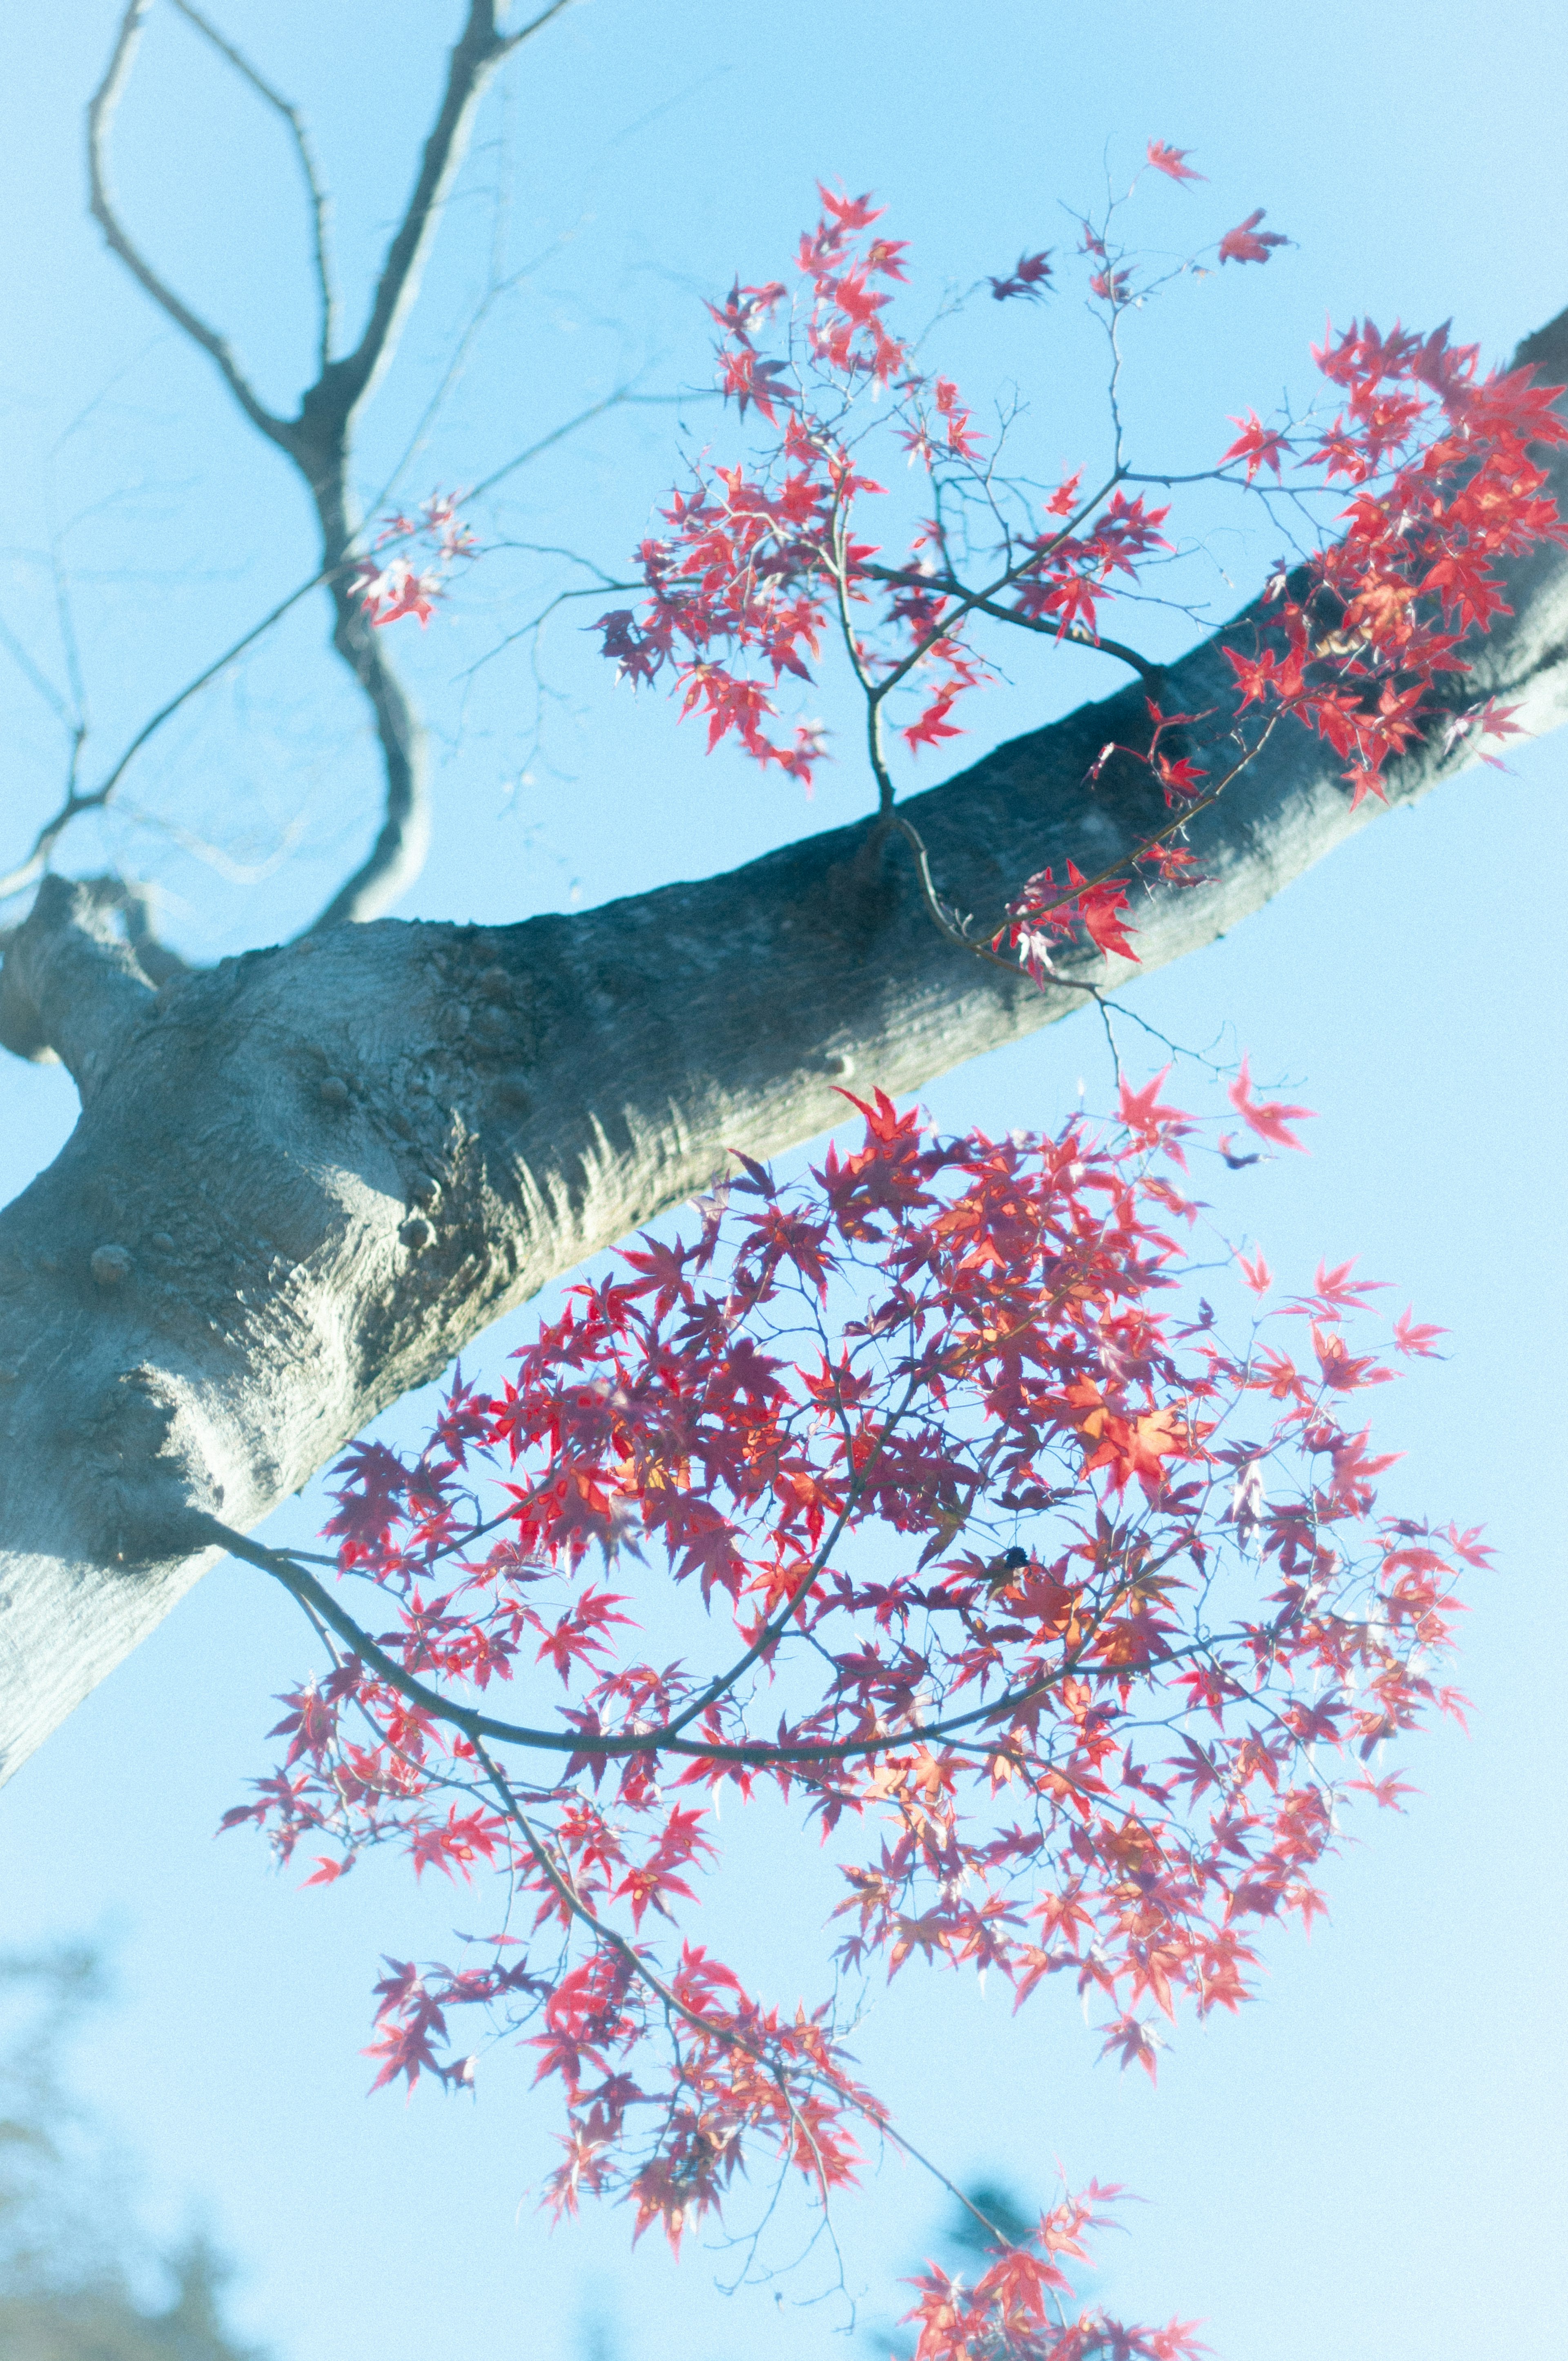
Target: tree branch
{"x": 70, "y": 987}
{"x": 32, "y": 868}
{"x": 319, "y": 440}
{"x": 345, "y": 384}
{"x": 320, "y": 203}
{"x": 100, "y": 114}
{"x": 900, "y": 577}
{"x": 76, "y": 802}
{"x": 398, "y": 854}
{"x": 326, "y": 1167}
{"x": 757, "y": 1754}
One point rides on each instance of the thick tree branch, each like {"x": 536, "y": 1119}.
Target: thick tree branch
{"x": 71, "y": 987}
{"x": 303, "y": 1179}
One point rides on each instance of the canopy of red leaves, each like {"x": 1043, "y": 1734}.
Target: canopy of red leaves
{"x": 918, "y": 1495}
{"x": 1064, "y": 1622}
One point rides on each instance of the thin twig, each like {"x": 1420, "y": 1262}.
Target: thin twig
{"x": 33, "y": 867}
{"x": 946, "y": 586}
{"x": 100, "y": 114}
{"x": 319, "y": 201}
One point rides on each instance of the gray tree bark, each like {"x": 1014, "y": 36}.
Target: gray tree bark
{"x": 301, "y": 1180}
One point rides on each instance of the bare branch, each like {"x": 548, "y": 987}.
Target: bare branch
{"x": 510, "y": 41}
{"x": 397, "y": 856}
{"x": 901, "y": 577}
{"x": 35, "y": 677}
{"x": 343, "y": 385}
{"x": 30, "y": 870}
{"x": 320, "y": 203}
{"x": 100, "y": 114}
{"x": 621, "y": 398}
{"x": 227, "y": 865}
{"x": 318, "y": 439}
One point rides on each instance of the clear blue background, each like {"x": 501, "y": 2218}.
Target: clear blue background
{"x": 1370, "y": 2161}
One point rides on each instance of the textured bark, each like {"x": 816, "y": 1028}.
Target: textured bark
{"x": 302, "y": 1179}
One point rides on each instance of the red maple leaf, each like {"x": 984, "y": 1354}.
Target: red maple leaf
{"x": 1255, "y": 1273}
{"x": 1172, "y": 161}
{"x": 933, "y": 725}
{"x": 1247, "y": 243}
{"x": 850, "y": 212}
{"x": 1267, "y": 1118}
{"x": 1412, "y": 1337}
{"x": 1134, "y": 2040}
{"x": 1142, "y": 1112}
{"x": 1028, "y": 277}
{"x": 1099, "y": 910}
{"x": 1258, "y": 444}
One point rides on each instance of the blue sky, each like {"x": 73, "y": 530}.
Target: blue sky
{"x": 1370, "y": 2160}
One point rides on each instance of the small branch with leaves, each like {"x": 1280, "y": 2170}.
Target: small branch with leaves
{"x": 1091, "y": 1715}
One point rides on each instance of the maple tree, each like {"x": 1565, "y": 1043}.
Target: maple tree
{"x": 1068, "y": 1623}
{"x": 923, "y": 1500}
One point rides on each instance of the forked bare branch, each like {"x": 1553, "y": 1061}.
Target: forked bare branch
{"x": 76, "y": 802}
{"x": 315, "y": 190}
{"x": 100, "y": 114}
{"x": 319, "y": 439}
{"x": 479, "y": 49}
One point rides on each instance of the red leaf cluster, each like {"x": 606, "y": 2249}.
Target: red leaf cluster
{"x": 401, "y": 584}
{"x": 1015, "y": 2312}
{"x": 1444, "y": 462}
{"x": 757, "y": 566}
{"x": 913, "y": 1495}
{"x": 1062, "y": 1622}
{"x": 763, "y": 563}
